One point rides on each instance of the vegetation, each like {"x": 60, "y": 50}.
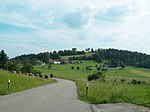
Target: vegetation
{"x": 3, "y": 60}
{"x": 130, "y": 84}
{"x": 105, "y": 87}
{"x": 19, "y": 82}
{"x": 96, "y": 76}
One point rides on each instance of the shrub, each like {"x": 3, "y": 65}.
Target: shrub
{"x": 72, "y": 67}
{"x": 78, "y": 68}
{"x": 122, "y": 80}
{"x": 96, "y": 76}
{"x": 36, "y": 72}
{"x": 41, "y": 75}
{"x": 139, "y": 82}
{"x": 27, "y": 68}
{"x": 115, "y": 80}
{"x": 104, "y": 70}
{"x": 98, "y": 69}
{"x": 51, "y": 75}
{"x": 134, "y": 81}
{"x": 46, "y": 76}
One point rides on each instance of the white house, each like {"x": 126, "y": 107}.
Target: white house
{"x": 57, "y": 62}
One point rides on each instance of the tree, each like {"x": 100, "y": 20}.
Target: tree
{"x": 74, "y": 50}
{"x": 51, "y": 75}
{"x": 98, "y": 69}
{"x": 92, "y": 50}
{"x": 96, "y": 76}
{"x": 72, "y": 67}
{"x": 49, "y": 66}
{"x": 87, "y": 49}
{"x": 96, "y": 66}
{"x": 12, "y": 66}
{"x": 78, "y": 68}
{"x": 114, "y": 63}
{"x": 27, "y": 68}
{"x": 3, "y": 60}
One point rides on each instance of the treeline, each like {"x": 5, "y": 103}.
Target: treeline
{"x": 46, "y": 56}
{"x": 70, "y": 52}
{"x": 34, "y": 58}
{"x": 113, "y": 57}
{"x": 118, "y": 57}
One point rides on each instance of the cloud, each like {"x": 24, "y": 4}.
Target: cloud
{"x": 74, "y": 20}
{"x": 54, "y": 24}
{"x": 112, "y": 14}
{"x": 8, "y": 28}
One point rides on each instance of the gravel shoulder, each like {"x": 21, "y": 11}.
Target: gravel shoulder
{"x": 118, "y": 107}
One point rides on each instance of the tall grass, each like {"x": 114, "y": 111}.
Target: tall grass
{"x": 100, "y": 92}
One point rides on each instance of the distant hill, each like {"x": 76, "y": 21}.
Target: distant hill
{"x": 114, "y": 57}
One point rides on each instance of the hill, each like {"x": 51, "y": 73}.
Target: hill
{"x": 114, "y": 57}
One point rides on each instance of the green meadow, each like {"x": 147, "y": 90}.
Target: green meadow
{"x": 19, "y": 82}
{"x": 67, "y": 57}
{"x": 110, "y": 91}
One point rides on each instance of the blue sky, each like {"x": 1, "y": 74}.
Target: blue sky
{"x": 33, "y": 26}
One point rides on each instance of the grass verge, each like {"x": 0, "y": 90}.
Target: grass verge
{"x": 19, "y": 82}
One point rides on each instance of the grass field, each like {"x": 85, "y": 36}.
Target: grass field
{"x": 110, "y": 90}
{"x": 19, "y": 82}
{"x": 67, "y": 57}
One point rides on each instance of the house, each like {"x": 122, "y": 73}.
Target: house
{"x": 65, "y": 61}
{"x": 108, "y": 67}
{"x": 57, "y": 62}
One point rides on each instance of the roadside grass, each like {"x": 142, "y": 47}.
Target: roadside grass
{"x": 19, "y": 82}
{"x": 100, "y": 92}
{"x": 109, "y": 91}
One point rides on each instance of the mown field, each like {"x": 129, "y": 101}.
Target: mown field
{"x": 19, "y": 82}
{"x": 67, "y": 57}
{"x": 112, "y": 90}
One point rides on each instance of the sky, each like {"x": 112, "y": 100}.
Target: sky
{"x": 33, "y": 26}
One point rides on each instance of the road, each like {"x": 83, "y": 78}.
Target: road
{"x": 57, "y": 97}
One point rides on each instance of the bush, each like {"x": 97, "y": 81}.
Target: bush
{"x": 78, "y": 68}
{"x": 134, "y": 81}
{"x": 98, "y": 69}
{"x": 41, "y": 75}
{"x": 72, "y": 68}
{"x": 115, "y": 80}
{"x": 104, "y": 70}
{"x": 36, "y": 72}
{"x": 27, "y": 68}
{"x": 46, "y": 77}
{"x": 96, "y": 76}
{"x": 122, "y": 80}
{"x": 51, "y": 75}
{"x": 139, "y": 82}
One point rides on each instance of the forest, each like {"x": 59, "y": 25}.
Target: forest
{"x": 113, "y": 57}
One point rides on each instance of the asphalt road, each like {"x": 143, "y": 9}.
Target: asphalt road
{"x": 58, "y": 97}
